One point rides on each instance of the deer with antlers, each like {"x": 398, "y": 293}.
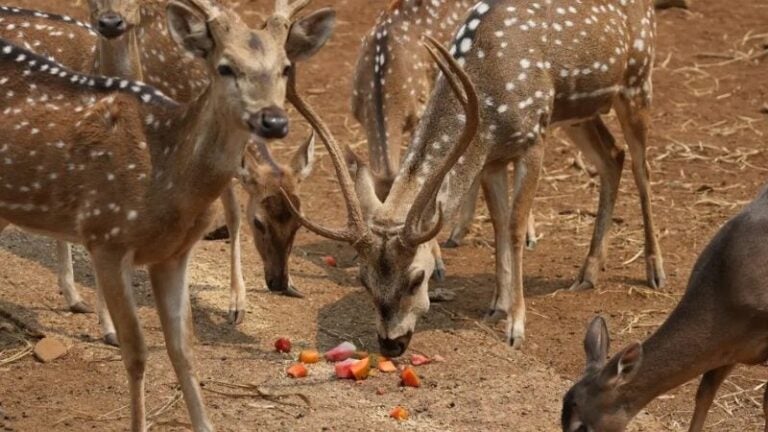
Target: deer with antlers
{"x": 118, "y": 166}
{"x": 391, "y": 85}
{"x": 721, "y": 321}
{"x": 528, "y": 78}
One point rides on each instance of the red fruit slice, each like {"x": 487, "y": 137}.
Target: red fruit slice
{"x": 297, "y": 371}
{"x": 418, "y": 360}
{"x": 344, "y": 369}
{"x": 341, "y": 352}
{"x": 283, "y": 345}
{"x": 409, "y": 378}
{"x": 329, "y": 261}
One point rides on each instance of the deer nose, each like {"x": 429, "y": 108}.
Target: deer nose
{"x": 111, "y": 25}
{"x": 270, "y": 122}
{"x": 395, "y": 347}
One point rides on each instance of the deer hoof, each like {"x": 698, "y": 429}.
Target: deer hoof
{"x": 111, "y": 339}
{"x": 220, "y": 233}
{"x": 516, "y": 342}
{"x": 451, "y": 243}
{"x": 495, "y": 315}
{"x": 530, "y": 243}
{"x": 439, "y": 273}
{"x": 291, "y": 291}
{"x": 582, "y": 285}
{"x": 236, "y": 316}
{"x": 440, "y": 295}
{"x": 655, "y": 272}
{"x": 81, "y": 307}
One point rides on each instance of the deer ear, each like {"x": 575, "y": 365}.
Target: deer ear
{"x": 597, "y": 343}
{"x": 623, "y": 367}
{"x": 365, "y": 184}
{"x": 309, "y": 34}
{"x": 188, "y": 28}
{"x": 304, "y": 159}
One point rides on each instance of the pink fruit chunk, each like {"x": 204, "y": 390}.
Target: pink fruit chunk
{"x": 418, "y": 360}
{"x": 344, "y": 369}
{"x": 341, "y": 352}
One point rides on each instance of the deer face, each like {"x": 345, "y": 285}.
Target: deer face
{"x": 597, "y": 402}
{"x": 112, "y": 18}
{"x": 272, "y": 223}
{"x": 248, "y": 67}
{"x": 397, "y": 278}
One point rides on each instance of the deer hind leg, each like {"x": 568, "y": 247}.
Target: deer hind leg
{"x": 466, "y": 215}
{"x": 765, "y": 407}
{"x": 527, "y": 170}
{"x": 708, "y": 386}
{"x": 595, "y": 140}
{"x": 237, "y": 300}
{"x": 67, "y": 279}
{"x": 633, "y": 116}
{"x": 496, "y": 189}
{"x": 113, "y": 274}
{"x": 439, "y": 273}
{"x": 169, "y": 284}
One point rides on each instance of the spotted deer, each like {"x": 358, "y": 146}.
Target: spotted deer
{"x": 135, "y": 44}
{"x": 721, "y": 321}
{"x": 532, "y": 72}
{"x": 116, "y": 165}
{"x": 392, "y": 82}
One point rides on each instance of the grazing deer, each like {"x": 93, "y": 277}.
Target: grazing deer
{"x": 721, "y": 321}
{"x": 119, "y": 167}
{"x": 531, "y": 71}
{"x": 393, "y": 79}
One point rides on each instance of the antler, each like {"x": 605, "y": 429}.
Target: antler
{"x": 411, "y": 236}
{"x": 357, "y": 232}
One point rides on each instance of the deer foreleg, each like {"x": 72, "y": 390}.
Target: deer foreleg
{"x": 596, "y": 142}
{"x": 237, "y": 300}
{"x": 113, "y": 274}
{"x": 67, "y": 279}
{"x": 708, "y": 386}
{"x": 495, "y": 189}
{"x": 527, "y": 171}
{"x": 169, "y": 284}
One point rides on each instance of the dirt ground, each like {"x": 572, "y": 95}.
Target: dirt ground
{"x": 707, "y": 158}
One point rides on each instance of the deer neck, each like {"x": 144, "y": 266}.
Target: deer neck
{"x": 683, "y": 348}
{"x": 120, "y": 57}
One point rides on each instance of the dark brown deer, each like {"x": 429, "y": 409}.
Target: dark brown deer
{"x": 721, "y": 321}
{"x": 531, "y": 73}
{"x": 119, "y": 167}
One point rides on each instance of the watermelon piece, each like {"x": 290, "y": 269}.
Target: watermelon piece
{"x": 330, "y": 261}
{"x": 297, "y": 371}
{"x": 418, "y": 360}
{"x": 343, "y": 369}
{"x": 361, "y": 369}
{"x": 341, "y": 352}
{"x": 387, "y": 366}
{"x": 409, "y": 378}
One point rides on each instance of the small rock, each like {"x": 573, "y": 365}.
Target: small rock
{"x": 49, "y": 349}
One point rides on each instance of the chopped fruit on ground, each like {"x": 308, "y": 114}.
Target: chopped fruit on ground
{"x": 437, "y": 358}
{"x": 330, "y": 261}
{"x": 386, "y": 365}
{"x": 409, "y": 378}
{"x": 418, "y": 360}
{"x": 399, "y": 413}
{"x": 283, "y": 345}
{"x": 309, "y": 356}
{"x": 360, "y": 355}
{"x": 361, "y": 369}
{"x": 297, "y": 371}
{"x": 343, "y": 369}
{"x": 341, "y": 352}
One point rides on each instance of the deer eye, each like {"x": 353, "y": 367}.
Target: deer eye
{"x": 286, "y": 70}
{"x": 416, "y": 282}
{"x": 258, "y": 225}
{"x": 225, "y": 70}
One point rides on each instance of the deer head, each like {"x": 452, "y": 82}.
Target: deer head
{"x": 395, "y": 260}
{"x": 269, "y": 215}
{"x": 250, "y": 66}
{"x": 595, "y": 402}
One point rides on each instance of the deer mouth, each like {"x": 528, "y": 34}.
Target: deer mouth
{"x": 269, "y": 123}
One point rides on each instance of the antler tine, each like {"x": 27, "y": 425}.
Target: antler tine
{"x": 289, "y": 10}
{"x": 359, "y": 233}
{"x": 469, "y": 100}
{"x": 346, "y": 236}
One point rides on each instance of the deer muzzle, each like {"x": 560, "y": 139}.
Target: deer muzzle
{"x": 395, "y": 347}
{"x": 111, "y": 25}
{"x": 269, "y": 123}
